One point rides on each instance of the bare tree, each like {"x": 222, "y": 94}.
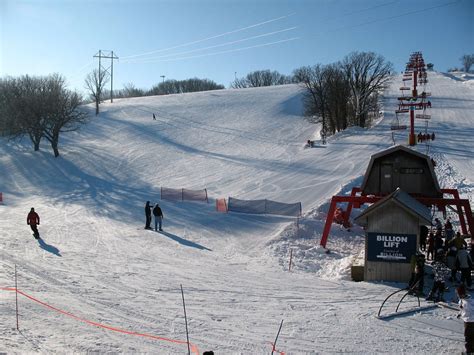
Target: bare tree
{"x": 9, "y": 99}
{"x": 129, "y": 90}
{"x": 95, "y": 83}
{"x": 260, "y": 78}
{"x": 337, "y": 97}
{"x": 367, "y": 74}
{"x": 467, "y": 61}
{"x": 326, "y": 97}
{"x": 239, "y": 83}
{"x": 314, "y": 80}
{"x": 63, "y": 113}
{"x": 180, "y": 86}
{"x": 40, "y": 107}
{"x": 21, "y": 107}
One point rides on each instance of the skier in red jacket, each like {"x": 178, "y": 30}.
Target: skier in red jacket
{"x": 33, "y": 221}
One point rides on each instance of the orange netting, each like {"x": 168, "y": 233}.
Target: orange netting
{"x": 221, "y": 205}
{"x": 193, "y": 347}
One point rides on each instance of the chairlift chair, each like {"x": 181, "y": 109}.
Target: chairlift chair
{"x": 395, "y": 125}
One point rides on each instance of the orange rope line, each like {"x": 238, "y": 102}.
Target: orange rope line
{"x": 274, "y": 349}
{"x": 193, "y": 347}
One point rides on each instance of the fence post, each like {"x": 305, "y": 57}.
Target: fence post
{"x": 16, "y": 301}
{"x": 185, "y": 320}
{"x": 291, "y": 258}
{"x": 275, "y": 343}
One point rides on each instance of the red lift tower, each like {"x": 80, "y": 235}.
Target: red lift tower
{"x": 415, "y": 72}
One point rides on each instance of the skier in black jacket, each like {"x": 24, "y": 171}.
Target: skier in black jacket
{"x": 147, "y": 215}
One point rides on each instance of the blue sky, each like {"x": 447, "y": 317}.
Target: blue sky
{"x": 222, "y": 39}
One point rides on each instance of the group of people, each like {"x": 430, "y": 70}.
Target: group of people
{"x": 433, "y": 241}
{"x": 422, "y": 137}
{"x": 157, "y": 213}
{"x": 33, "y": 219}
{"x": 450, "y": 255}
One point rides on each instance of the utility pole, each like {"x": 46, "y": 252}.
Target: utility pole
{"x": 163, "y": 78}
{"x": 107, "y": 55}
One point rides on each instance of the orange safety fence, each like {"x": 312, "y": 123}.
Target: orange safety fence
{"x": 221, "y": 205}
{"x": 193, "y": 347}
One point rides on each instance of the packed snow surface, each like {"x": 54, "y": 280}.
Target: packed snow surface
{"x": 96, "y": 262}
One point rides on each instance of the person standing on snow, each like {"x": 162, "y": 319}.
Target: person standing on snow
{"x": 467, "y": 315}
{"x": 416, "y": 284}
{"x": 459, "y": 241}
{"x": 147, "y": 215}
{"x": 438, "y": 226}
{"x": 464, "y": 263}
{"x": 430, "y": 251}
{"x": 441, "y": 272}
{"x": 33, "y": 221}
{"x": 158, "y": 213}
{"x": 423, "y": 236}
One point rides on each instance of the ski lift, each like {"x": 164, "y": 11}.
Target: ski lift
{"x": 402, "y": 111}
{"x": 396, "y": 126}
{"x": 423, "y": 116}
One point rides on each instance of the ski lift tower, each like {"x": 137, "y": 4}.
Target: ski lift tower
{"x": 416, "y": 72}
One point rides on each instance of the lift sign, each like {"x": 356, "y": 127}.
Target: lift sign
{"x": 390, "y": 247}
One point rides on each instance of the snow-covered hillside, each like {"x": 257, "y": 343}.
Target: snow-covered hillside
{"x": 98, "y": 263}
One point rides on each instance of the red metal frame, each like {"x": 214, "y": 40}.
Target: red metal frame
{"x": 356, "y": 201}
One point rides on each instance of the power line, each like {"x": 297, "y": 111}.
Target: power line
{"x": 367, "y": 9}
{"x": 81, "y": 69}
{"x": 227, "y": 51}
{"x": 147, "y": 60}
{"x": 392, "y": 17}
{"x": 209, "y": 38}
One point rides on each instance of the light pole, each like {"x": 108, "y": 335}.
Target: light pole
{"x": 163, "y": 77}
{"x": 235, "y": 75}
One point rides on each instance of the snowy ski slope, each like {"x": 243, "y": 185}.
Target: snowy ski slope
{"x": 97, "y": 263}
